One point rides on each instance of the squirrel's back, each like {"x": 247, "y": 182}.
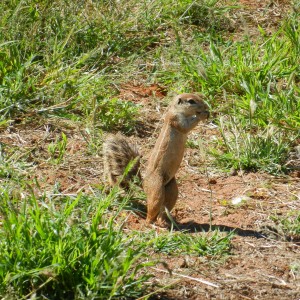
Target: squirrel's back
{"x": 118, "y": 153}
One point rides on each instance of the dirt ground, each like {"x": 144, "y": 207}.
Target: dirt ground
{"x": 262, "y": 256}
{"x": 264, "y": 262}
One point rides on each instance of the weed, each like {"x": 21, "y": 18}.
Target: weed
{"x": 203, "y": 245}
{"x": 192, "y": 144}
{"x": 289, "y": 225}
{"x": 295, "y": 268}
{"x": 57, "y": 149}
{"x": 115, "y": 114}
{"x": 265, "y": 150}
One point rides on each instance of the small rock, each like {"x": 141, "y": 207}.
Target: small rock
{"x": 297, "y": 148}
{"x": 233, "y": 172}
{"x": 212, "y": 181}
{"x": 182, "y": 263}
{"x": 240, "y": 200}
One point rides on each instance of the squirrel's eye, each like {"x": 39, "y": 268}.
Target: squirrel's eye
{"x": 191, "y": 101}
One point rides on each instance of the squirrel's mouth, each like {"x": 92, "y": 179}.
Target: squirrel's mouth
{"x": 203, "y": 113}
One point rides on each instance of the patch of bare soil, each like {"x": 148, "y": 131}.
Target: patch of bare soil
{"x": 261, "y": 262}
{"x": 141, "y": 93}
{"x": 253, "y": 14}
{"x": 78, "y": 169}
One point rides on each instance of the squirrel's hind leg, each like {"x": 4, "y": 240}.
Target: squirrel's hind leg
{"x": 155, "y": 192}
{"x": 171, "y": 194}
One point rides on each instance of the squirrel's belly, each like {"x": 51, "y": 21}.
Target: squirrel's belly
{"x": 170, "y": 163}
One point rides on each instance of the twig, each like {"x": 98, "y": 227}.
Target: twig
{"x": 210, "y": 198}
{"x": 203, "y": 190}
{"x": 159, "y": 290}
{"x": 171, "y": 219}
{"x": 38, "y": 288}
{"x": 56, "y": 106}
{"x": 188, "y": 277}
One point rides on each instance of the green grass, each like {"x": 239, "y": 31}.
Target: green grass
{"x": 200, "y": 245}
{"x": 259, "y": 116}
{"x": 67, "y": 61}
{"x": 289, "y": 225}
{"x": 58, "y": 149}
{"x": 62, "y": 247}
{"x": 73, "y": 247}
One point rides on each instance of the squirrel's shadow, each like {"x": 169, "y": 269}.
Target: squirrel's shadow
{"x": 266, "y": 232}
{"x": 192, "y": 226}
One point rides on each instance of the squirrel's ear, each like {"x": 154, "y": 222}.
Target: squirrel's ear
{"x": 179, "y": 101}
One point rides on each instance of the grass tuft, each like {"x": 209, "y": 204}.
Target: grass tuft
{"x": 66, "y": 248}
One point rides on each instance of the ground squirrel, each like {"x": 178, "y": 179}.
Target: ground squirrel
{"x": 183, "y": 114}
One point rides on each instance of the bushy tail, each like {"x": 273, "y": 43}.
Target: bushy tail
{"x": 121, "y": 160}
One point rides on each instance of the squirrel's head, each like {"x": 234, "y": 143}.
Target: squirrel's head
{"x": 191, "y": 104}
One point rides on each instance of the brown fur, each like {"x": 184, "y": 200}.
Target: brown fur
{"x": 118, "y": 153}
{"x": 183, "y": 114}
